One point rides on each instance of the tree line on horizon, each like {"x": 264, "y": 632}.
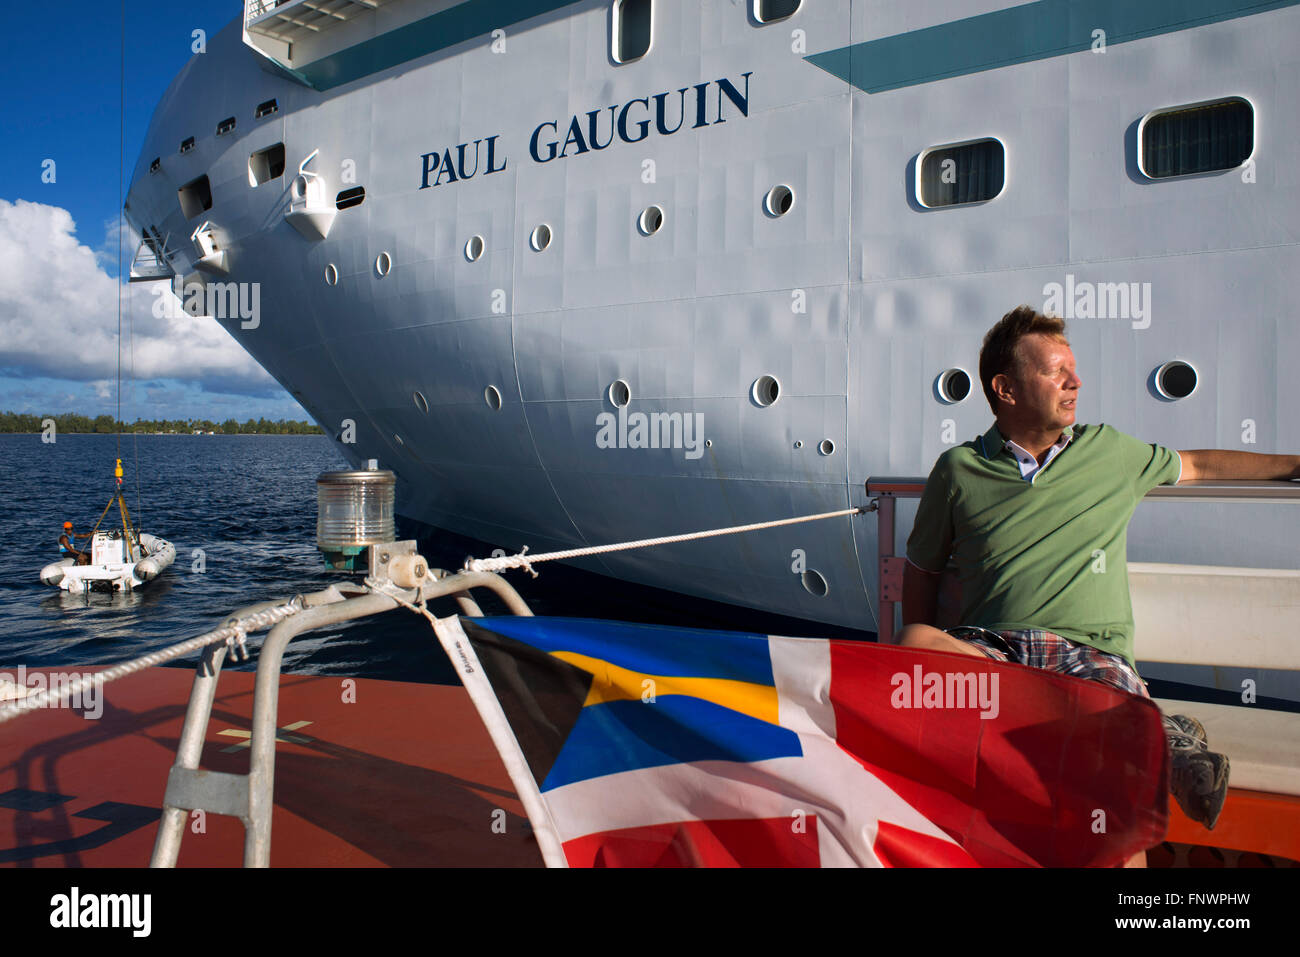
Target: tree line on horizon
{"x": 72, "y": 423}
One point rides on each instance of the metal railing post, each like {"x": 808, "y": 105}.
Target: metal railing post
{"x": 266, "y": 699}
{"x": 885, "y": 550}
{"x": 167, "y": 845}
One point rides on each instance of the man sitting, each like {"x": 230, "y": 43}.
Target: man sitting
{"x": 1023, "y": 512}
{"x": 68, "y": 549}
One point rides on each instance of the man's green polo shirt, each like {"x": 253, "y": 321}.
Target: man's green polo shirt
{"x": 1047, "y": 553}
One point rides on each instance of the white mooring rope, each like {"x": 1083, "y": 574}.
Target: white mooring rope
{"x": 233, "y": 633}
{"x": 236, "y": 630}
{"x": 527, "y": 563}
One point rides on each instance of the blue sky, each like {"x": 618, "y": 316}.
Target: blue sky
{"x": 65, "y": 100}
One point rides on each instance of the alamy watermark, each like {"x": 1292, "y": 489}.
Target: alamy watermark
{"x": 76, "y": 909}
{"x": 220, "y": 300}
{"x": 88, "y": 697}
{"x": 1099, "y": 300}
{"x": 946, "y": 690}
{"x": 651, "y": 430}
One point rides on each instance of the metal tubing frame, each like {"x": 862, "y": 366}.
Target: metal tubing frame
{"x": 266, "y": 697}
{"x": 251, "y": 797}
{"x": 171, "y": 829}
{"x": 464, "y": 581}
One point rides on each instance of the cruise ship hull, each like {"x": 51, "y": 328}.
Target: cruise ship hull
{"x": 617, "y": 384}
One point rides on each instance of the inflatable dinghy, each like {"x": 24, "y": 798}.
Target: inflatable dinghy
{"x": 110, "y": 565}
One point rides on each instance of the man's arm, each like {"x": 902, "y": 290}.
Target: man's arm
{"x": 1201, "y": 464}
{"x": 920, "y": 595}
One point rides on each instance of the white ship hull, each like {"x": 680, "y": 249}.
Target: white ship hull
{"x": 856, "y": 300}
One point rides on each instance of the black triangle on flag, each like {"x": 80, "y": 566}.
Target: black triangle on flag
{"x": 541, "y": 695}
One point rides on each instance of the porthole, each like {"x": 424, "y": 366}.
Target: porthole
{"x": 1176, "y": 379}
{"x": 421, "y": 402}
{"x": 814, "y": 583}
{"x": 383, "y": 263}
{"x": 187, "y": 144}
{"x": 541, "y": 237}
{"x": 798, "y": 443}
{"x": 953, "y": 386}
{"x": 778, "y": 201}
{"x": 474, "y": 248}
{"x": 265, "y": 109}
{"x": 765, "y": 391}
{"x": 651, "y": 218}
{"x": 827, "y": 447}
{"x": 156, "y": 165}
{"x": 961, "y": 173}
{"x": 331, "y": 275}
{"x": 492, "y": 396}
{"x": 620, "y": 393}
{"x": 226, "y": 126}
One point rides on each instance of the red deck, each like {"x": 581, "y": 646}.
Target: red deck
{"x": 405, "y": 776}
{"x": 382, "y": 773}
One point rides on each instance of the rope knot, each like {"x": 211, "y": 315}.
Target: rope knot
{"x": 236, "y": 641}
{"x": 523, "y": 563}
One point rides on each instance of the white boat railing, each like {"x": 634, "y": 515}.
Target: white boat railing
{"x": 885, "y": 493}
{"x": 255, "y": 8}
{"x": 306, "y": 15}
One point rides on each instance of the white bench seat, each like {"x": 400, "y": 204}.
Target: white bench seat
{"x": 1262, "y": 746}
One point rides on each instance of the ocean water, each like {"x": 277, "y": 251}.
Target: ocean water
{"x": 241, "y": 511}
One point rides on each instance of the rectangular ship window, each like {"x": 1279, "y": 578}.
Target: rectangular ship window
{"x": 195, "y": 197}
{"x": 769, "y": 11}
{"x": 265, "y": 109}
{"x": 961, "y": 173}
{"x": 1199, "y": 138}
{"x": 266, "y": 165}
{"x": 632, "y": 23}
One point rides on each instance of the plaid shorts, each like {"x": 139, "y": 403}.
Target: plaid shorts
{"x": 1043, "y": 649}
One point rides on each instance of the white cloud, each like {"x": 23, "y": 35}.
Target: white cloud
{"x": 58, "y": 315}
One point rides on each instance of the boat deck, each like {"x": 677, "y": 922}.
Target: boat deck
{"x": 368, "y": 773}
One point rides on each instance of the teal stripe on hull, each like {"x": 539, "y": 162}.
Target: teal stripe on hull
{"x": 475, "y": 18}
{"x": 1034, "y": 31}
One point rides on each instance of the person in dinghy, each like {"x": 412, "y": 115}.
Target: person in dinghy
{"x": 68, "y": 549}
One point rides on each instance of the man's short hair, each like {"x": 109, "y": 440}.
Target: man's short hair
{"x": 998, "y": 355}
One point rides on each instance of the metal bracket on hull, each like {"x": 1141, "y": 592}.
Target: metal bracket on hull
{"x": 212, "y": 253}
{"x": 310, "y": 211}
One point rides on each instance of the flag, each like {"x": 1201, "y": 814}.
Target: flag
{"x": 639, "y": 745}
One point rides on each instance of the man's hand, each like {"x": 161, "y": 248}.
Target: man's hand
{"x": 1209, "y": 464}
